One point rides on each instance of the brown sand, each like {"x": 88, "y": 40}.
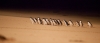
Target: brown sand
{"x": 18, "y": 26}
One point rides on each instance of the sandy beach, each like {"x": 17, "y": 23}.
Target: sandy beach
{"x": 18, "y": 27}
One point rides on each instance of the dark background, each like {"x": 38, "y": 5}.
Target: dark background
{"x": 64, "y": 5}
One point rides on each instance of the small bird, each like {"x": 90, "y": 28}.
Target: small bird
{"x": 51, "y": 22}
{"x": 44, "y": 21}
{"x": 70, "y": 23}
{"x": 48, "y": 22}
{"x": 80, "y": 23}
{"x": 65, "y": 23}
{"x": 90, "y": 24}
{"x": 39, "y": 20}
{"x": 59, "y": 22}
{"x": 54, "y": 23}
{"x": 36, "y": 22}
{"x": 77, "y": 24}
{"x": 33, "y": 20}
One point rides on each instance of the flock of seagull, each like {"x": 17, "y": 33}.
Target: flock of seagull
{"x": 57, "y": 22}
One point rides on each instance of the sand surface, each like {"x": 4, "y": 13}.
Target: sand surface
{"x": 19, "y": 27}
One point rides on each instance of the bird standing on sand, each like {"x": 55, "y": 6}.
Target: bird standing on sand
{"x": 65, "y": 23}
{"x": 70, "y": 23}
{"x": 33, "y": 20}
{"x": 54, "y": 23}
{"x": 59, "y": 22}
{"x": 44, "y": 21}
{"x": 80, "y": 23}
{"x": 51, "y": 22}
{"x": 39, "y": 20}
{"x": 90, "y": 24}
{"x": 77, "y": 23}
{"x": 48, "y": 22}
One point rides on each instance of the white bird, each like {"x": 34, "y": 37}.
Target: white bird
{"x": 33, "y": 20}
{"x": 81, "y": 24}
{"x": 54, "y": 23}
{"x": 57, "y": 23}
{"x": 44, "y": 21}
{"x": 51, "y": 22}
{"x": 39, "y": 20}
{"x": 65, "y": 23}
{"x": 70, "y": 23}
{"x": 90, "y": 24}
{"x": 60, "y": 23}
{"x": 48, "y": 22}
{"x": 77, "y": 24}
